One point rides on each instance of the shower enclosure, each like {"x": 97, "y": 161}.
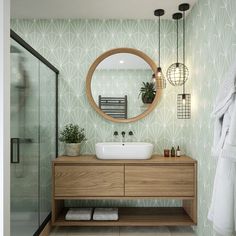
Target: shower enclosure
{"x": 34, "y": 123}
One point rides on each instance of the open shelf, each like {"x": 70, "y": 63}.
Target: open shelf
{"x": 136, "y": 216}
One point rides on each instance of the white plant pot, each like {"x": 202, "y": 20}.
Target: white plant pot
{"x": 72, "y": 149}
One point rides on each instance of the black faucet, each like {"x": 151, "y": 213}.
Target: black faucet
{"x": 123, "y": 134}
{"x": 115, "y": 133}
{"x": 131, "y": 133}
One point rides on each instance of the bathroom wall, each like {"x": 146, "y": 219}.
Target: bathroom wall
{"x": 72, "y": 46}
{"x": 211, "y": 49}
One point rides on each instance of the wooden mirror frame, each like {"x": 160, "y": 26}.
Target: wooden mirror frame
{"x": 93, "y": 67}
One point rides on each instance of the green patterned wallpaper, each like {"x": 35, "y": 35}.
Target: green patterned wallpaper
{"x": 72, "y": 46}
{"x": 211, "y": 39}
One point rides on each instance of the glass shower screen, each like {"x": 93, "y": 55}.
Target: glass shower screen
{"x": 33, "y": 139}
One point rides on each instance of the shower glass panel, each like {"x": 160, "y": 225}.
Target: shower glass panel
{"x": 47, "y": 137}
{"x": 24, "y": 141}
{"x": 33, "y": 137}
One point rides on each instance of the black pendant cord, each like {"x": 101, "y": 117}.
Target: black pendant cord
{"x": 159, "y": 41}
{"x": 177, "y": 48}
{"x": 184, "y": 7}
{"x": 159, "y": 13}
{"x": 184, "y": 48}
{"x": 176, "y": 17}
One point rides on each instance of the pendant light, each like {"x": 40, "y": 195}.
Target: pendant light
{"x": 184, "y": 99}
{"x": 177, "y": 73}
{"x": 159, "y": 76}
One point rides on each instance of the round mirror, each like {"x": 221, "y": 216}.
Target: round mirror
{"x": 119, "y": 85}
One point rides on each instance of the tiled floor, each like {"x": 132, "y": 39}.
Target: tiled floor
{"x": 122, "y": 231}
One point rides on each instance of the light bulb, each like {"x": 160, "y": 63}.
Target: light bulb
{"x": 153, "y": 78}
{"x": 177, "y": 72}
{"x": 184, "y": 99}
{"x": 159, "y": 74}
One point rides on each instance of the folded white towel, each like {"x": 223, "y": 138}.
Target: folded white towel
{"x": 79, "y": 214}
{"x": 105, "y": 214}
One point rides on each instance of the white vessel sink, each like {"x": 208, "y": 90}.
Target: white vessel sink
{"x": 127, "y": 150}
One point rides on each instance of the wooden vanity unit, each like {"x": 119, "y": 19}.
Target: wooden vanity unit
{"x": 86, "y": 177}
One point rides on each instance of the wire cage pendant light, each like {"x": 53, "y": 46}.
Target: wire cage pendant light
{"x": 184, "y": 99}
{"x": 184, "y": 106}
{"x": 159, "y": 77}
{"x": 177, "y": 74}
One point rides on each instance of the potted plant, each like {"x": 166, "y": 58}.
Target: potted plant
{"x": 72, "y": 136}
{"x": 148, "y": 92}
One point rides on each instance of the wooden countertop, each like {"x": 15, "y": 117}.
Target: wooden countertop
{"x": 155, "y": 159}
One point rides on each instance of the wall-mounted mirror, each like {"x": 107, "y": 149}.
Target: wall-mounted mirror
{"x": 114, "y": 81}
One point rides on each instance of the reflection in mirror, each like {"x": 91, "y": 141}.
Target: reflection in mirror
{"x": 116, "y": 85}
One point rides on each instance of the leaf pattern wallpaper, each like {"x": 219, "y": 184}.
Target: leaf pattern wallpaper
{"x": 73, "y": 45}
{"x": 211, "y": 49}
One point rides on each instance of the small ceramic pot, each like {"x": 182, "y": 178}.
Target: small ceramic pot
{"x": 166, "y": 152}
{"x": 72, "y": 149}
{"x": 147, "y": 100}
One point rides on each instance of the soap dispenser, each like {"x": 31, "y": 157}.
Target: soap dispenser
{"x": 178, "y": 153}
{"x": 172, "y": 152}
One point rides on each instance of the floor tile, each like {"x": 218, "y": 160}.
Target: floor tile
{"x": 93, "y": 231}
{"x": 144, "y": 231}
{"x": 122, "y": 231}
{"x": 181, "y": 231}
{"x": 58, "y": 231}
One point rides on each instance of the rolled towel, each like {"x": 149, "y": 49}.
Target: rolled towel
{"x": 79, "y": 214}
{"x": 105, "y": 214}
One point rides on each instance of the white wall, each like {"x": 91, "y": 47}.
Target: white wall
{"x": 4, "y": 118}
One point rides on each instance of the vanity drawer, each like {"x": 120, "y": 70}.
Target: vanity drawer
{"x": 160, "y": 181}
{"x": 89, "y": 180}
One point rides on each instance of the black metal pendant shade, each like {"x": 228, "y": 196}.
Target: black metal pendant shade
{"x": 177, "y": 16}
{"x": 184, "y": 7}
{"x": 184, "y": 106}
{"x": 159, "y": 12}
{"x": 177, "y": 74}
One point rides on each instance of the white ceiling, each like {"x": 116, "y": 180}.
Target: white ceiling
{"x": 94, "y": 9}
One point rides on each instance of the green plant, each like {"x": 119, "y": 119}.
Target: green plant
{"x": 72, "y": 134}
{"x": 148, "y": 92}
